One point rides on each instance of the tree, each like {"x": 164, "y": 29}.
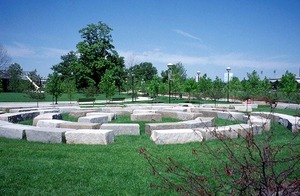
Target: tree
{"x": 144, "y": 71}
{"x": 97, "y": 54}
{"x": 251, "y": 85}
{"x": 235, "y": 87}
{"x": 107, "y": 84}
{"x": 67, "y": 68}
{"x": 288, "y": 84}
{"x": 190, "y": 87}
{"x": 15, "y": 72}
{"x": 69, "y": 86}
{"x": 4, "y": 58}
{"x": 54, "y": 85}
{"x": 178, "y": 77}
{"x": 217, "y": 90}
{"x": 204, "y": 85}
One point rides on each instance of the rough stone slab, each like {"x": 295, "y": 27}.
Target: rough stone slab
{"x": 90, "y": 136}
{"x": 50, "y": 123}
{"x": 144, "y": 111}
{"x": 81, "y": 112}
{"x": 16, "y": 110}
{"x": 145, "y": 117}
{"x": 243, "y": 108}
{"x": 111, "y": 116}
{"x": 44, "y": 111}
{"x": 79, "y": 125}
{"x": 175, "y": 136}
{"x": 19, "y": 116}
{"x": 2, "y": 123}
{"x": 260, "y": 121}
{"x": 12, "y": 131}
{"x": 232, "y": 131}
{"x": 197, "y": 123}
{"x": 290, "y": 122}
{"x": 231, "y": 115}
{"x": 118, "y": 110}
{"x": 46, "y": 116}
{"x": 45, "y": 134}
{"x": 122, "y": 128}
{"x": 94, "y": 119}
{"x": 180, "y": 115}
{"x": 68, "y": 109}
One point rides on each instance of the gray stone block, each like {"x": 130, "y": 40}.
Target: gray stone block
{"x": 79, "y": 125}
{"x": 175, "y": 136}
{"x": 50, "y": 123}
{"x": 90, "y": 136}
{"x": 45, "y": 134}
{"x": 94, "y": 119}
{"x": 111, "y": 116}
{"x": 46, "y": 116}
{"x": 122, "y": 129}
{"x": 19, "y": 116}
{"x": 145, "y": 117}
{"x": 12, "y": 131}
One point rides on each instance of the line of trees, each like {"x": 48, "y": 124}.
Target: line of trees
{"x": 96, "y": 67}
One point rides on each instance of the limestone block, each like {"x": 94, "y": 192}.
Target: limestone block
{"x": 198, "y": 122}
{"x": 45, "y": 134}
{"x": 80, "y": 112}
{"x": 243, "y": 108}
{"x": 12, "y": 131}
{"x": 180, "y": 115}
{"x": 19, "y": 116}
{"x": 94, "y": 119}
{"x": 90, "y": 136}
{"x": 79, "y": 125}
{"x": 50, "y": 123}
{"x": 231, "y": 115}
{"x": 2, "y": 123}
{"x": 175, "y": 136}
{"x": 111, "y": 116}
{"x": 258, "y": 120}
{"x": 54, "y": 110}
{"x": 145, "y": 117}
{"x": 122, "y": 128}
{"x": 16, "y": 110}
{"x": 46, "y": 116}
{"x": 144, "y": 111}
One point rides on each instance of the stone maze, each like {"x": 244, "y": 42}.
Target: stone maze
{"x": 197, "y": 123}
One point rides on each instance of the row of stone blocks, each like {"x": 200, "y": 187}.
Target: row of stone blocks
{"x": 180, "y": 136}
{"x": 70, "y": 136}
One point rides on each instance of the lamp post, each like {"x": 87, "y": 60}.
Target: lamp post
{"x": 228, "y": 70}
{"x": 198, "y": 73}
{"x": 169, "y": 78}
{"x": 132, "y": 85}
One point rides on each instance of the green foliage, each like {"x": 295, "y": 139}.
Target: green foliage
{"x": 90, "y": 91}
{"x": 288, "y": 84}
{"x": 15, "y": 72}
{"x": 107, "y": 84}
{"x": 204, "y": 84}
{"x": 143, "y": 71}
{"x": 235, "y": 86}
{"x": 69, "y": 86}
{"x": 97, "y": 54}
{"x": 190, "y": 87}
{"x": 217, "y": 89}
{"x": 67, "y": 68}
{"x": 54, "y": 86}
{"x": 252, "y": 84}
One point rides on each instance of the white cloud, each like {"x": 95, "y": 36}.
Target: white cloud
{"x": 19, "y": 50}
{"x": 188, "y": 35}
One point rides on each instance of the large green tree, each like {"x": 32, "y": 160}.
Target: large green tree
{"x": 252, "y": 84}
{"x": 107, "y": 84}
{"x": 15, "y": 72}
{"x": 190, "y": 87}
{"x": 97, "y": 54}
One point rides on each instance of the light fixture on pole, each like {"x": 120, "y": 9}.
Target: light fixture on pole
{"x": 198, "y": 73}
{"x": 169, "y": 78}
{"x": 228, "y": 70}
{"x": 132, "y": 85}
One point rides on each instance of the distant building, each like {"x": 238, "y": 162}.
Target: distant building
{"x": 275, "y": 82}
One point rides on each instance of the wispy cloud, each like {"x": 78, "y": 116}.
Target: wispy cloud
{"x": 20, "y": 50}
{"x": 188, "y": 35}
{"x": 238, "y": 60}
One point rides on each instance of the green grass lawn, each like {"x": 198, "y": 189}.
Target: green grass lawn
{"x": 266, "y": 108}
{"x": 32, "y": 168}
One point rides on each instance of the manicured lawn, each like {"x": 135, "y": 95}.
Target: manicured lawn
{"x": 265, "y": 108}
{"x": 31, "y": 168}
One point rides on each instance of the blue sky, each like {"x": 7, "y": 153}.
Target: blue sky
{"x": 205, "y": 36}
